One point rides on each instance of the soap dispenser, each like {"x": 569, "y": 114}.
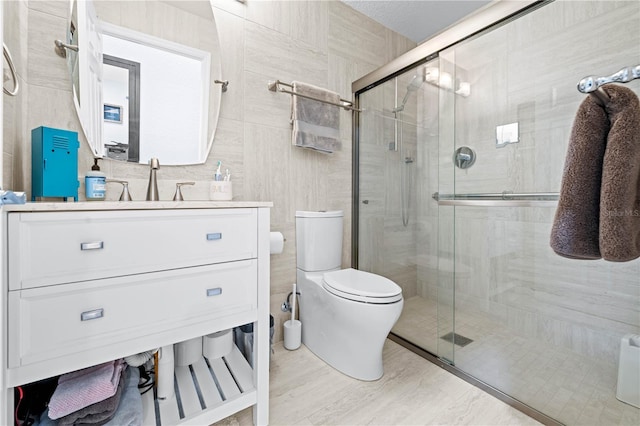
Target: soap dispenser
{"x": 95, "y": 183}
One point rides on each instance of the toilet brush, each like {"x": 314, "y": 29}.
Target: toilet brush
{"x": 293, "y": 327}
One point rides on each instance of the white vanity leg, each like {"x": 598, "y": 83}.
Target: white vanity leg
{"x": 261, "y": 345}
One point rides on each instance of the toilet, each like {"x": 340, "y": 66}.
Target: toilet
{"x": 346, "y": 314}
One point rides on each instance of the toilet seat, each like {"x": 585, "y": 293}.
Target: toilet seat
{"x": 361, "y": 286}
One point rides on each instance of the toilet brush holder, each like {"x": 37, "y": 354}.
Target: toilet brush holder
{"x": 292, "y": 334}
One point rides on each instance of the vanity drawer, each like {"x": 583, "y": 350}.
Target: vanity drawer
{"x": 50, "y": 322}
{"x": 51, "y": 248}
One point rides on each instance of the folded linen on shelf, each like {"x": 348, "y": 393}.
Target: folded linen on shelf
{"x": 128, "y": 413}
{"x": 79, "y": 389}
{"x": 100, "y": 412}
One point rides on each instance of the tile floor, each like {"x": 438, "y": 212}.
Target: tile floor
{"x": 562, "y": 384}
{"x": 413, "y": 391}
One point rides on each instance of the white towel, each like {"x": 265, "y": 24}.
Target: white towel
{"x": 316, "y": 125}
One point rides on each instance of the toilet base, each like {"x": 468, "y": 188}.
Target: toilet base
{"x": 347, "y": 335}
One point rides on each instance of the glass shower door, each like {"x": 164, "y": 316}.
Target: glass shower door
{"x": 544, "y": 329}
{"x": 398, "y": 234}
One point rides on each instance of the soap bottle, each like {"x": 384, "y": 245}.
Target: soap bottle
{"x": 95, "y": 183}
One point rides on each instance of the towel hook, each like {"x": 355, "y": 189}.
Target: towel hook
{"x": 593, "y": 85}
{"x": 224, "y": 84}
{"x": 61, "y": 48}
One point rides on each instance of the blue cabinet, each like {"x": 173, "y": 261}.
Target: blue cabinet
{"x": 54, "y": 163}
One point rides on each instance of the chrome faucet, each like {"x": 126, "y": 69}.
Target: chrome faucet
{"x": 126, "y": 195}
{"x": 152, "y": 190}
{"x": 178, "y": 195}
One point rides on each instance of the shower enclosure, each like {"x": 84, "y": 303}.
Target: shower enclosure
{"x": 483, "y": 290}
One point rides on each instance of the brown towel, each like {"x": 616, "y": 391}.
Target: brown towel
{"x": 601, "y": 182}
{"x": 620, "y": 193}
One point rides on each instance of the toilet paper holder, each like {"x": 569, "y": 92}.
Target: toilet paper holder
{"x": 276, "y": 242}
{"x": 286, "y": 305}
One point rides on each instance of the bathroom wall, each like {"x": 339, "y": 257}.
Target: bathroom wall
{"x": 324, "y": 43}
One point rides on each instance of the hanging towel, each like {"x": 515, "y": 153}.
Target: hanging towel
{"x": 316, "y": 125}
{"x": 81, "y": 388}
{"x": 620, "y": 193}
{"x": 575, "y": 229}
{"x": 601, "y": 181}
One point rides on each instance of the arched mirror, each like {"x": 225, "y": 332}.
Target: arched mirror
{"x": 144, "y": 78}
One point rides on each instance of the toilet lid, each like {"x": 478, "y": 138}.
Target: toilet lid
{"x": 361, "y": 286}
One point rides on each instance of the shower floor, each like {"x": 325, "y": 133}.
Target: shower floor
{"x": 571, "y": 388}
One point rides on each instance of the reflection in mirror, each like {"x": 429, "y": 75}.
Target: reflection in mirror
{"x": 121, "y": 114}
{"x": 157, "y": 60}
{"x": 172, "y": 107}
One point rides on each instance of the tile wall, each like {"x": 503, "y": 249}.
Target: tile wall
{"x": 324, "y": 43}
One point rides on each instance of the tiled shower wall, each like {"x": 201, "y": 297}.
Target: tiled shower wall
{"x": 390, "y": 159}
{"x": 526, "y": 72}
{"x": 324, "y": 43}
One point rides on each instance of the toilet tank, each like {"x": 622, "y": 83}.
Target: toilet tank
{"x": 318, "y": 240}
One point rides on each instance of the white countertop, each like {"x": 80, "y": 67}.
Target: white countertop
{"x": 131, "y": 205}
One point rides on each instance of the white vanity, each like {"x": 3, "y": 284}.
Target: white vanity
{"x": 86, "y": 283}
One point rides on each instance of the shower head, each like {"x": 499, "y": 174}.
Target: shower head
{"x": 414, "y": 85}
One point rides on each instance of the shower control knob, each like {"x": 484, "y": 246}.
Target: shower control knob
{"x": 464, "y": 157}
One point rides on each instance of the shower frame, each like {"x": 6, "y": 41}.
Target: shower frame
{"x": 485, "y": 19}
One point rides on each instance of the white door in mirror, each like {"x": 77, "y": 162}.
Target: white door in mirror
{"x": 86, "y": 73}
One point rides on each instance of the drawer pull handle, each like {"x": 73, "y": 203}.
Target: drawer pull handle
{"x": 91, "y": 315}
{"x": 214, "y": 291}
{"x": 214, "y": 236}
{"x": 98, "y": 245}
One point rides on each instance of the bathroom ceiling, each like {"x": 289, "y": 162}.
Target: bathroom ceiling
{"x": 416, "y": 19}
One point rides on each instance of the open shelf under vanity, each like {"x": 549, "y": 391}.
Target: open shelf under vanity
{"x": 207, "y": 389}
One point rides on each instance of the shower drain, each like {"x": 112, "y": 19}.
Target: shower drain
{"x": 456, "y": 339}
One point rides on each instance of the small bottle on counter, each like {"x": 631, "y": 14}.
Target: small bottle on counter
{"x": 95, "y": 183}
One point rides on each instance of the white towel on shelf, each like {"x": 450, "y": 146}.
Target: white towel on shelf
{"x": 316, "y": 125}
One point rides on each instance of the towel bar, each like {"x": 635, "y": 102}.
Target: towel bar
{"x": 12, "y": 69}
{"x": 274, "y": 86}
{"x": 498, "y": 199}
